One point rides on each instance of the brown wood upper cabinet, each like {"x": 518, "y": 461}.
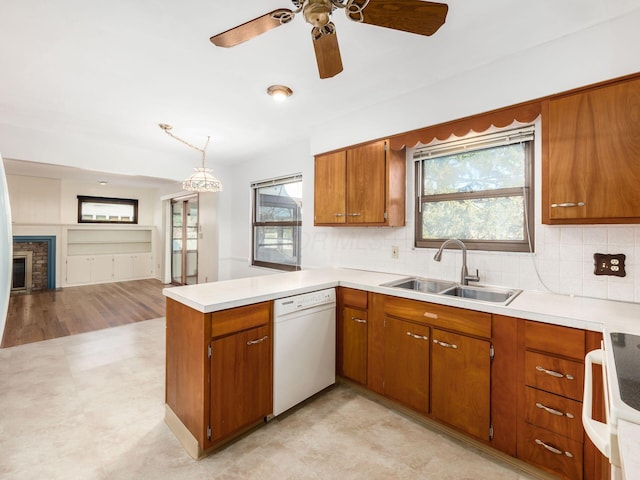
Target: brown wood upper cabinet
{"x": 591, "y": 155}
{"x": 363, "y": 185}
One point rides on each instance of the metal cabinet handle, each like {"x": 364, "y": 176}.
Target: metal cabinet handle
{"x": 553, "y": 449}
{"x": 358, "y": 320}
{"x": 445, "y": 344}
{"x": 338, "y": 214}
{"x": 553, "y": 411}
{"x": 554, "y": 374}
{"x": 353, "y": 214}
{"x": 259, "y": 340}
{"x": 416, "y": 336}
{"x": 430, "y": 315}
{"x": 567, "y": 205}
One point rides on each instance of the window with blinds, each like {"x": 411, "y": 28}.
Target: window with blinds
{"x": 478, "y": 190}
{"x": 277, "y": 222}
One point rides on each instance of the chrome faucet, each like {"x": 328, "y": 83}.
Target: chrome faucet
{"x": 465, "y": 278}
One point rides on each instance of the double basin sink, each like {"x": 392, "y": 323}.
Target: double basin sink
{"x": 494, "y": 295}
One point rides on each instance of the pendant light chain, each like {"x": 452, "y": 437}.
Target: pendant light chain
{"x": 202, "y": 180}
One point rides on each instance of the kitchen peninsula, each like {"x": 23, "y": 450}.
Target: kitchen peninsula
{"x": 534, "y": 326}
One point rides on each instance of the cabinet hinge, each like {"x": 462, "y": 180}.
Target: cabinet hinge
{"x": 208, "y": 432}
{"x": 490, "y": 432}
{"x": 492, "y": 352}
{"x": 386, "y": 146}
{"x": 209, "y": 351}
{"x": 385, "y": 215}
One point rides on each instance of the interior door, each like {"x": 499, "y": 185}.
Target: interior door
{"x": 184, "y": 241}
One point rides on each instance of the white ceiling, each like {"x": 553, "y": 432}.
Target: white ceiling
{"x": 83, "y": 79}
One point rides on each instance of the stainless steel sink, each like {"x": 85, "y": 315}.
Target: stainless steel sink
{"x": 418, "y": 284}
{"x": 483, "y": 294}
{"x": 494, "y": 295}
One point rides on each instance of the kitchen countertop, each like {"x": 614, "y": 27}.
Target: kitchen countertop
{"x": 578, "y": 312}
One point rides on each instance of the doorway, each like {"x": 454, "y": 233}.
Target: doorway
{"x": 184, "y": 240}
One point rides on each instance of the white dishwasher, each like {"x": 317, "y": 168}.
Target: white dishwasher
{"x": 304, "y": 347}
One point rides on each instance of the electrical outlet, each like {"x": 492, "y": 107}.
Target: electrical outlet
{"x": 607, "y": 264}
{"x": 395, "y": 252}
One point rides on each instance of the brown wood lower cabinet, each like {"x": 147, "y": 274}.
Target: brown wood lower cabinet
{"x": 406, "y": 363}
{"x": 461, "y": 382}
{"x": 352, "y": 335}
{"x": 354, "y": 346}
{"x": 432, "y": 351}
{"x": 241, "y": 390}
{"x": 219, "y": 373}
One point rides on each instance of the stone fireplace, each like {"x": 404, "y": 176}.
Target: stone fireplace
{"x": 33, "y": 264}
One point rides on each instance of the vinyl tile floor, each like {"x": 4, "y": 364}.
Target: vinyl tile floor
{"x": 91, "y": 406}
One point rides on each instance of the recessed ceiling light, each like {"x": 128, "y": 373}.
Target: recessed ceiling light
{"x": 102, "y": 182}
{"x": 279, "y": 92}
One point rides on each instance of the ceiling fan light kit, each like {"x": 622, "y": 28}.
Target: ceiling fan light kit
{"x": 413, "y": 16}
{"x": 279, "y": 92}
{"x": 202, "y": 180}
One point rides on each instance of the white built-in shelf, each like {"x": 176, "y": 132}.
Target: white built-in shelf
{"x": 108, "y": 240}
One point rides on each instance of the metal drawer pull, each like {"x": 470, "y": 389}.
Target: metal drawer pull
{"x": 259, "y": 340}
{"x": 553, "y": 449}
{"x": 567, "y": 205}
{"x": 415, "y": 335}
{"x": 338, "y": 214}
{"x": 353, "y": 214}
{"x": 430, "y": 315}
{"x": 554, "y": 374}
{"x": 554, "y": 411}
{"x": 358, "y": 320}
{"x": 445, "y": 344}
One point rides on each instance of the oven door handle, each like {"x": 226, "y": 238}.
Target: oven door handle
{"x": 598, "y": 432}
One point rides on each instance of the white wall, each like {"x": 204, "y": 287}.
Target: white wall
{"x": 235, "y": 207}
{"x": 6, "y": 248}
{"x": 564, "y": 255}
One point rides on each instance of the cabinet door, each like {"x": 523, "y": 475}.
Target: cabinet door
{"x": 330, "y": 188}
{"x": 122, "y": 267}
{"x": 406, "y": 363}
{"x": 143, "y": 265}
{"x": 594, "y": 154}
{"x": 102, "y": 268}
{"x": 366, "y": 183}
{"x": 460, "y": 387}
{"x": 241, "y": 381}
{"x": 354, "y": 344}
{"x": 78, "y": 269}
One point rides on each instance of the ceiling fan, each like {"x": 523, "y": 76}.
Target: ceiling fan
{"x": 414, "y": 16}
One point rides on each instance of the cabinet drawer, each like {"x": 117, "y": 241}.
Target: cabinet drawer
{"x": 240, "y": 318}
{"x": 565, "y": 341}
{"x": 553, "y": 412}
{"x": 442, "y": 316}
{"x": 550, "y": 451}
{"x": 354, "y": 298}
{"x": 555, "y": 375}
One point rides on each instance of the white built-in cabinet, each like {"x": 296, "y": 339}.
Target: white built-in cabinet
{"x": 108, "y": 254}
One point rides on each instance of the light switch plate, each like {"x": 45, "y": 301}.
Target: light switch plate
{"x": 608, "y": 264}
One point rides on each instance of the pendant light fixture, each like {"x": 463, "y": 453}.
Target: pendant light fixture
{"x": 202, "y": 180}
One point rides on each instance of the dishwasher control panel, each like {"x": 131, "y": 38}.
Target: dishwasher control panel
{"x": 306, "y": 300}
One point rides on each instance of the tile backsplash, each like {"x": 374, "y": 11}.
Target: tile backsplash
{"x": 563, "y": 261}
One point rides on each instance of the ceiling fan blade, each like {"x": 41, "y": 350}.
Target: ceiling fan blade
{"x": 325, "y": 44}
{"x": 252, "y": 28}
{"x": 414, "y": 16}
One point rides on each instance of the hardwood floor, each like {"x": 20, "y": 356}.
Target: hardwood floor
{"x": 58, "y": 313}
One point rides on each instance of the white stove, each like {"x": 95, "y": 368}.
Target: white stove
{"x": 620, "y": 359}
